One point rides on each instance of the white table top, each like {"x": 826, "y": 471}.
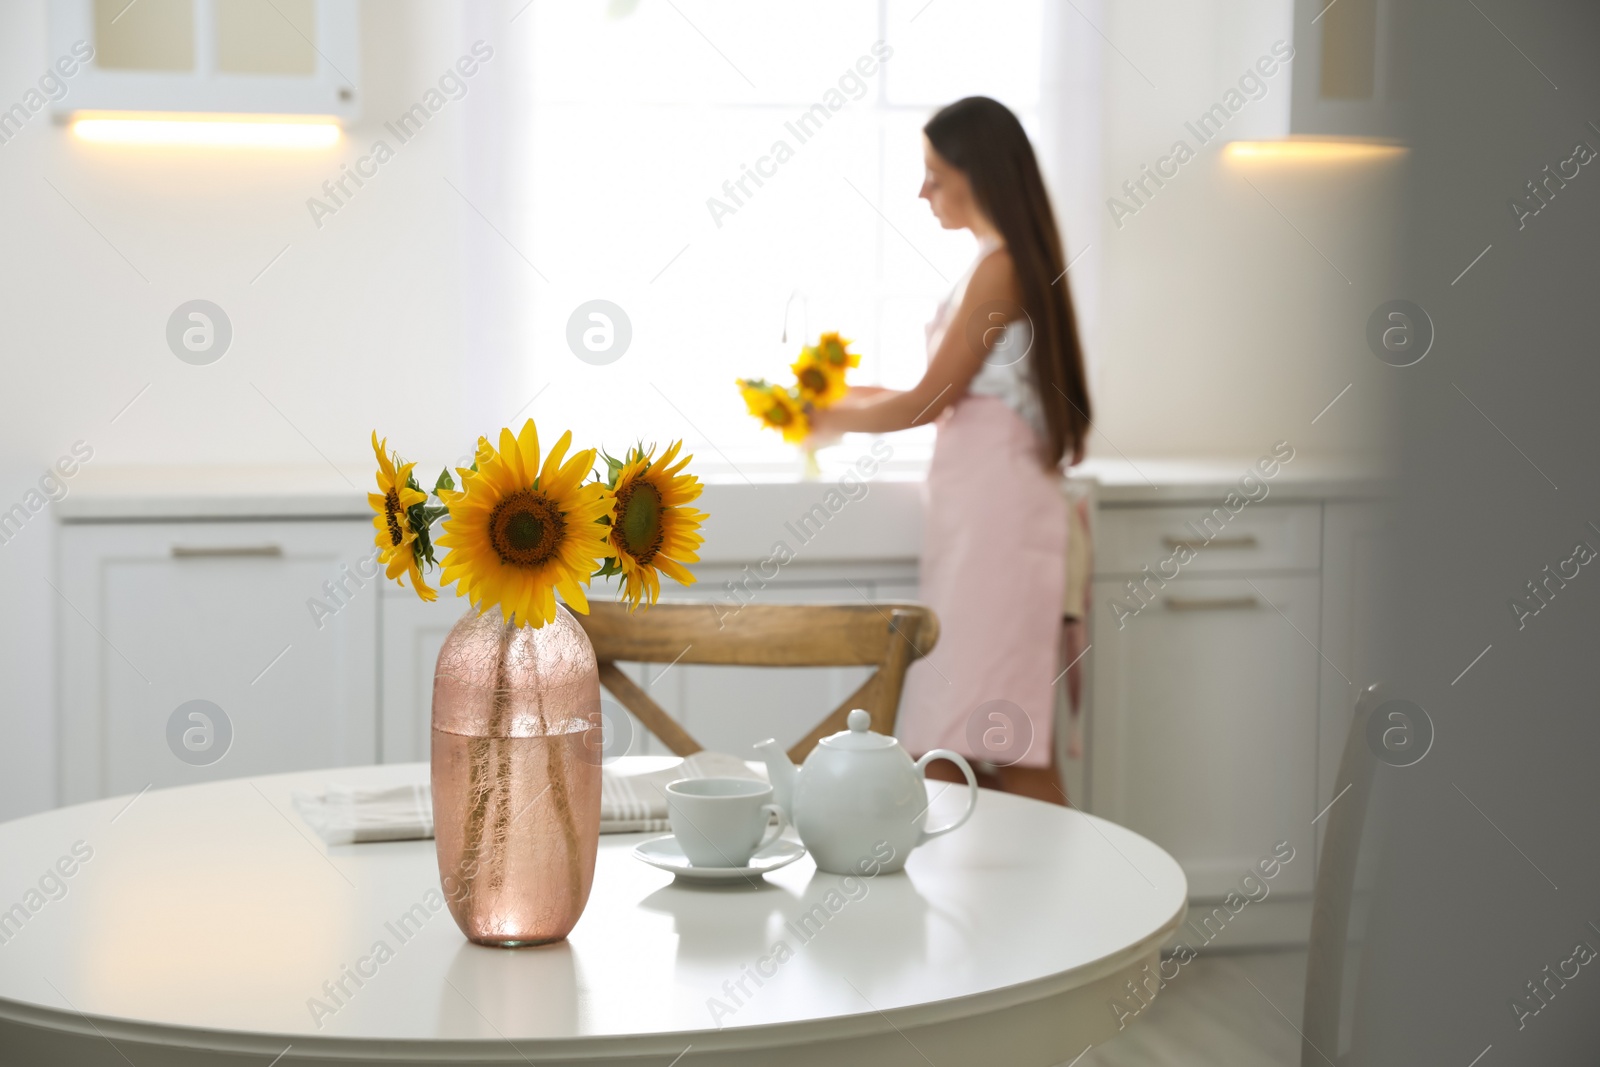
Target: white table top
{"x": 211, "y": 913}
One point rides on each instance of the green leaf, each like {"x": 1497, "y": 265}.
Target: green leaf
{"x": 420, "y": 517}
{"x": 444, "y": 482}
{"x": 613, "y": 468}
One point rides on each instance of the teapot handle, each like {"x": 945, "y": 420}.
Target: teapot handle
{"x": 972, "y": 789}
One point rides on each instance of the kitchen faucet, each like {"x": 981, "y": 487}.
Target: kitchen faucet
{"x": 805, "y": 314}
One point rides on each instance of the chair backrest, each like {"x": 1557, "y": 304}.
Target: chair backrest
{"x": 890, "y": 635}
{"x": 1335, "y": 891}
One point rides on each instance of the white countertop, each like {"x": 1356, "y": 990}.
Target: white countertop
{"x": 876, "y": 519}
{"x": 112, "y": 493}
{"x": 1171, "y": 480}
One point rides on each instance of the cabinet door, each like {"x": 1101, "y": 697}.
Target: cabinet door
{"x": 1346, "y": 77}
{"x": 155, "y": 615}
{"x": 1203, "y": 729}
{"x": 413, "y": 633}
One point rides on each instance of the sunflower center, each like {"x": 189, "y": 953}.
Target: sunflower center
{"x": 778, "y": 415}
{"x": 391, "y": 514}
{"x": 526, "y": 528}
{"x": 639, "y": 520}
{"x": 814, "y": 380}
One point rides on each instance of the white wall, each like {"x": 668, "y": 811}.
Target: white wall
{"x": 1221, "y": 328}
{"x": 356, "y": 326}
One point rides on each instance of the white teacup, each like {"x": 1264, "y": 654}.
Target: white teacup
{"x": 722, "y": 822}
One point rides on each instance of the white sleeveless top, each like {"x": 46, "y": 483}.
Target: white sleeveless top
{"x": 1006, "y": 372}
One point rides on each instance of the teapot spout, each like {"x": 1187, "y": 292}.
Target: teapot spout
{"x": 781, "y": 772}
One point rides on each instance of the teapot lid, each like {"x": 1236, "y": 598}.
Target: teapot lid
{"x": 859, "y": 737}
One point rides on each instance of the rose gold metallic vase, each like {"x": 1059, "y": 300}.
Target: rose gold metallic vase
{"x": 516, "y": 776}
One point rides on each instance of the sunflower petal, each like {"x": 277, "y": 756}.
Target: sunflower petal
{"x": 679, "y": 574}
{"x": 553, "y": 461}
{"x": 528, "y": 451}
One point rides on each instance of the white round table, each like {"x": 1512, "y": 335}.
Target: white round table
{"x": 207, "y": 922}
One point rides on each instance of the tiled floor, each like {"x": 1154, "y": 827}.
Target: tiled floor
{"x": 1221, "y": 1009}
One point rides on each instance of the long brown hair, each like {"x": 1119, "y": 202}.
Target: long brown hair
{"x": 982, "y": 138}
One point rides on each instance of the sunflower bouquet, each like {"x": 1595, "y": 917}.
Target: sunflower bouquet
{"x": 523, "y": 526}
{"x": 526, "y": 525}
{"x": 819, "y": 381}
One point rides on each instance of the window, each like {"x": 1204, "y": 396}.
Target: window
{"x": 682, "y": 162}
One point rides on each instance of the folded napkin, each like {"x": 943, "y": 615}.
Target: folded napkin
{"x": 629, "y": 803}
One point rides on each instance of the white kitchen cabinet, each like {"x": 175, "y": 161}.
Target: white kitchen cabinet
{"x": 1259, "y": 538}
{"x": 413, "y": 632}
{"x": 1347, "y": 79}
{"x": 153, "y": 615}
{"x": 213, "y": 57}
{"x": 1204, "y": 730}
{"x": 1203, "y": 708}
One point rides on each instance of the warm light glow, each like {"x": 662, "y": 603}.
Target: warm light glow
{"x": 1309, "y": 151}
{"x": 209, "y": 131}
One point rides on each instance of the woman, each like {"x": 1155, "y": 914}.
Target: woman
{"x": 1005, "y": 380}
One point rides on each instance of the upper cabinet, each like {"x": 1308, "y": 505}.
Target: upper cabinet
{"x": 1348, "y": 81}
{"x": 244, "y": 57}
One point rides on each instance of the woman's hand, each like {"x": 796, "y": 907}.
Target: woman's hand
{"x": 859, "y": 395}
{"x": 956, "y": 361}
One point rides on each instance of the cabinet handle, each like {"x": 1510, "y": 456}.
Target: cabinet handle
{"x": 1216, "y": 603}
{"x": 227, "y": 552}
{"x": 1245, "y": 541}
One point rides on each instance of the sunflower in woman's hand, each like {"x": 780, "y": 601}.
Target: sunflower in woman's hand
{"x": 776, "y": 407}
{"x": 397, "y": 537}
{"x": 651, "y": 531}
{"x": 819, "y": 382}
{"x": 834, "y": 352}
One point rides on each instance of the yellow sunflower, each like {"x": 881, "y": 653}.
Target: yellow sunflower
{"x": 776, "y": 408}
{"x": 834, "y": 351}
{"x": 652, "y": 532}
{"x": 519, "y": 533}
{"x": 818, "y": 382}
{"x": 396, "y": 538}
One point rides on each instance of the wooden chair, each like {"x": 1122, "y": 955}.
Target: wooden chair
{"x": 1335, "y": 891}
{"x": 889, "y": 635}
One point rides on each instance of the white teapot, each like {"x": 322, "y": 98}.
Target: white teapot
{"x": 859, "y": 801}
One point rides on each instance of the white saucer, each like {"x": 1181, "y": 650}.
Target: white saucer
{"x": 664, "y": 854}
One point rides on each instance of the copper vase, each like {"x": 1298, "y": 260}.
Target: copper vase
{"x": 516, "y": 776}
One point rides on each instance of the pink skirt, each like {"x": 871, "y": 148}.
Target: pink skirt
{"x": 993, "y": 568}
